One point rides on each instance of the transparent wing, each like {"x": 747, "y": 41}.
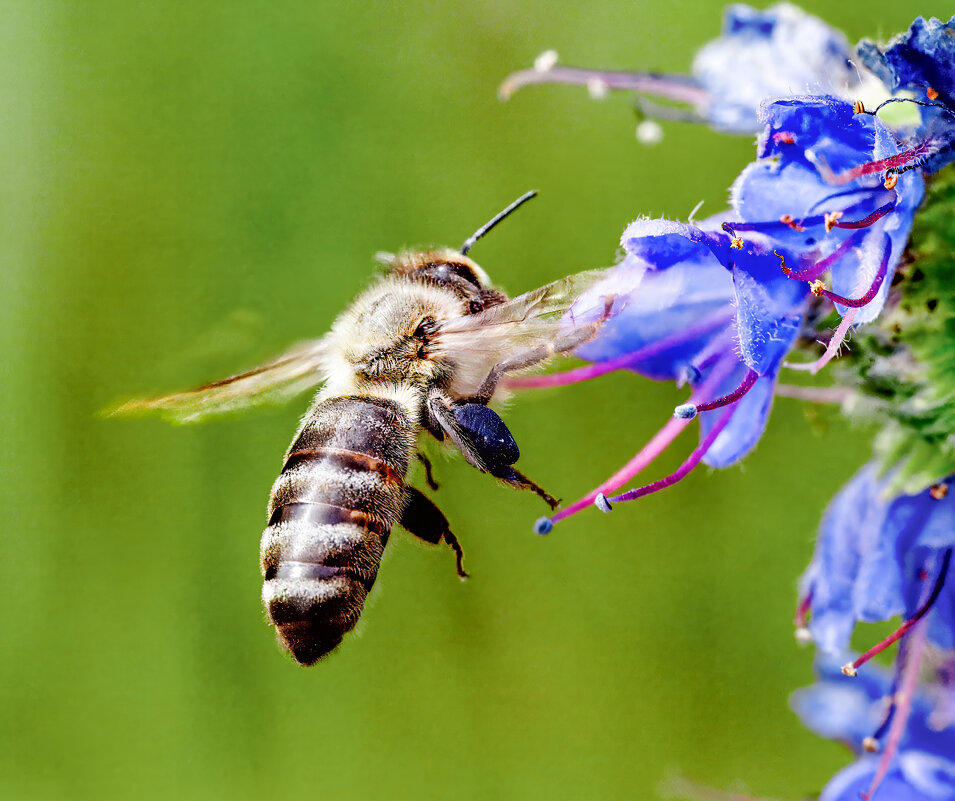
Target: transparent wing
{"x": 536, "y": 318}
{"x": 276, "y": 381}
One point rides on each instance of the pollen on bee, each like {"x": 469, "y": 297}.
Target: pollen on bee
{"x": 891, "y": 179}
{"x": 545, "y": 61}
{"x": 737, "y": 243}
{"x": 938, "y": 491}
{"x": 858, "y": 107}
{"x": 597, "y": 89}
{"x": 930, "y": 93}
{"x": 831, "y": 218}
{"x": 817, "y": 287}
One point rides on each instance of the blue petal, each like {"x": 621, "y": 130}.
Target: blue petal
{"x": 771, "y": 53}
{"x": 747, "y": 423}
{"x": 851, "y": 782}
{"x": 768, "y": 312}
{"x": 922, "y": 57}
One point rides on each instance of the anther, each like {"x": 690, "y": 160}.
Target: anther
{"x": 602, "y": 503}
{"x": 543, "y": 525}
{"x": 737, "y": 243}
{"x": 930, "y": 93}
{"x": 787, "y": 219}
{"x": 803, "y": 636}
{"x": 858, "y": 107}
{"x": 831, "y": 218}
{"x": 849, "y": 670}
{"x": 938, "y": 491}
{"x": 891, "y": 179}
{"x": 685, "y": 411}
{"x": 786, "y": 137}
{"x": 817, "y": 287}
{"x": 870, "y": 745}
{"x": 597, "y": 89}
{"x": 782, "y": 263}
{"x": 546, "y": 61}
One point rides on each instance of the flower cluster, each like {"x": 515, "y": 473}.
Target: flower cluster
{"x": 818, "y": 236}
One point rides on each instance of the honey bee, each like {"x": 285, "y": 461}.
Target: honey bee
{"x": 422, "y": 349}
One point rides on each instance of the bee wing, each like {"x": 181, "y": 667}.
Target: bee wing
{"x": 276, "y": 381}
{"x": 536, "y": 318}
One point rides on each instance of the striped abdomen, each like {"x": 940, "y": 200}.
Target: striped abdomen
{"x": 332, "y": 508}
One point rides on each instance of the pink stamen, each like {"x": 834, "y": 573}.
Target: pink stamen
{"x": 865, "y": 222}
{"x": 903, "y": 708}
{"x": 657, "y": 445}
{"x": 858, "y": 303}
{"x": 871, "y": 167}
{"x": 684, "y": 469}
{"x": 812, "y": 272}
{"x": 747, "y": 384}
{"x": 908, "y": 624}
{"x": 598, "y": 369}
{"x": 835, "y": 342}
{"x": 672, "y": 87}
{"x": 801, "y": 618}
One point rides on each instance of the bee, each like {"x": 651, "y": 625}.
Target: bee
{"x": 422, "y": 349}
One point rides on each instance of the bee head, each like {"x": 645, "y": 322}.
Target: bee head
{"x": 451, "y": 270}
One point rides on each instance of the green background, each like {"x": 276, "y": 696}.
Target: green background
{"x": 187, "y": 188}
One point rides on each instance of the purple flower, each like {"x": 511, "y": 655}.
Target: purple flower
{"x": 773, "y": 53}
{"x": 922, "y": 60}
{"x": 879, "y": 557}
{"x": 867, "y": 714}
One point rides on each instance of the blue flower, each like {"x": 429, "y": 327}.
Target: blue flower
{"x": 923, "y": 60}
{"x": 917, "y": 764}
{"x": 879, "y": 557}
{"x": 773, "y": 53}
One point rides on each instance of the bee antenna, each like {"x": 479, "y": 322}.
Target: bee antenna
{"x": 469, "y": 242}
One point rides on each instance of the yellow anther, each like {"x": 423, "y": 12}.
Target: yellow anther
{"x": 858, "y": 107}
{"x": 832, "y": 217}
{"x": 737, "y": 243}
{"x": 848, "y": 670}
{"x": 816, "y": 287}
{"x": 782, "y": 262}
{"x": 938, "y": 491}
{"x": 891, "y": 179}
{"x": 931, "y": 93}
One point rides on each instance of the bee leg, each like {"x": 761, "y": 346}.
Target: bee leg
{"x": 533, "y": 356}
{"x": 519, "y": 481}
{"x": 484, "y": 440}
{"x": 427, "y": 522}
{"x": 428, "y": 475}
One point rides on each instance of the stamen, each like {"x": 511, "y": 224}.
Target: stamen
{"x": 903, "y": 703}
{"x": 858, "y": 107}
{"x": 891, "y": 179}
{"x": 817, "y": 287}
{"x": 801, "y": 619}
{"x": 931, "y": 93}
{"x": 602, "y": 503}
{"x": 852, "y": 667}
{"x": 835, "y": 342}
{"x": 657, "y": 444}
{"x": 938, "y": 491}
{"x": 737, "y": 243}
{"x": 673, "y": 87}
{"x": 590, "y": 371}
{"x": 786, "y": 137}
{"x": 813, "y": 271}
{"x": 788, "y": 220}
{"x": 816, "y": 219}
{"x": 832, "y": 217}
{"x": 684, "y": 469}
{"x": 858, "y": 303}
{"x": 866, "y": 221}
{"x": 688, "y": 411}
{"x": 924, "y": 148}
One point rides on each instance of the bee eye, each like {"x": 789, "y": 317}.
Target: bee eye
{"x": 426, "y": 329}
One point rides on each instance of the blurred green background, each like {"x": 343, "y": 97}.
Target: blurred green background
{"x": 186, "y": 189}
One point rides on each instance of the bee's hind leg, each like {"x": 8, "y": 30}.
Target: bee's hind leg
{"x": 427, "y": 522}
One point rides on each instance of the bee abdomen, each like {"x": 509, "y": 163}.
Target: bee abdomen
{"x": 330, "y": 514}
